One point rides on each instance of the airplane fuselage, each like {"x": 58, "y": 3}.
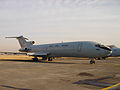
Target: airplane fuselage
{"x": 69, "y": 49}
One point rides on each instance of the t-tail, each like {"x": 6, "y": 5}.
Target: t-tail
{"x": 23, "y": 42}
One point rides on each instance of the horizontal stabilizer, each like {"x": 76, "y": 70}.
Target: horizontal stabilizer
{"x": 18, "y": 37}
{"x": 23, "y": 42}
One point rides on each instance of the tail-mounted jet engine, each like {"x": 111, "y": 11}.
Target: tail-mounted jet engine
{"x": 30, "y": 42}
{"x": 24, "y": 49}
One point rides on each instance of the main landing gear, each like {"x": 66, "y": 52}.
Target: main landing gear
{"x": 47, "y": 58}
{"x": 50, "y": 58}
{"x": 92, "y": 61}
{"x": 35, "y": 59}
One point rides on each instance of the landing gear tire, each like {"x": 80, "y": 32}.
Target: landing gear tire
{"x": 92, "y": 61}
{"x": 35, "y": 59}
{"x": 98, "y": 58}
{"x": 50, "y": 59}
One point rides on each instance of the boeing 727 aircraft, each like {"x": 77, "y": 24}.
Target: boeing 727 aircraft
{"x": 85, "y": 49}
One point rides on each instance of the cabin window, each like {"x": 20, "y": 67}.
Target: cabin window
{"x": 50, "y": 46}
{"x": 64, "y": 45}
{"x": 56, "y": 45}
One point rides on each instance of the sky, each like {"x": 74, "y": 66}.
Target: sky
{"x": 54, "y": 21}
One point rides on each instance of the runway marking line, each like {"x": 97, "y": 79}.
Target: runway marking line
{"x": 111, "y": 86}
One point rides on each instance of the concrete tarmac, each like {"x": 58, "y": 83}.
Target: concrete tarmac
{"x": 20, "y": 73}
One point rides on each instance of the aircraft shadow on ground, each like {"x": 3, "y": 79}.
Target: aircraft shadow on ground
{"x": 11, "y": 87}
{"x": 96, "y": 82}
{"x": 52, "y": 62}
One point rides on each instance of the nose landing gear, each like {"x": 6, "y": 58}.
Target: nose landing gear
{"x": 92, "y": 61}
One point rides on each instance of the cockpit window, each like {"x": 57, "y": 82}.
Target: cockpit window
{"x": 103, "y": 47}
{"x": 97, "y": 45}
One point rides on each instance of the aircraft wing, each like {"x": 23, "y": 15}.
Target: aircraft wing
{"x": 12, "y": 53}
{"x": 39, "y": 54}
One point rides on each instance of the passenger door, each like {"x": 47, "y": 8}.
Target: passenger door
{"x": 80, "y": 46}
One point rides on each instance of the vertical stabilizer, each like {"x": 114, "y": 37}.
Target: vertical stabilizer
{"x": 22, "y": 41}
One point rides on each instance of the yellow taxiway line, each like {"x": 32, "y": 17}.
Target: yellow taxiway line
{"x": 111, "y": 87}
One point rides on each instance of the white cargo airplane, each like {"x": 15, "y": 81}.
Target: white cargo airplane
{"x": 85, "y": 49}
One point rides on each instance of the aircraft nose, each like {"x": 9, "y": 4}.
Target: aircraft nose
{"x": 108, "y": 52}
